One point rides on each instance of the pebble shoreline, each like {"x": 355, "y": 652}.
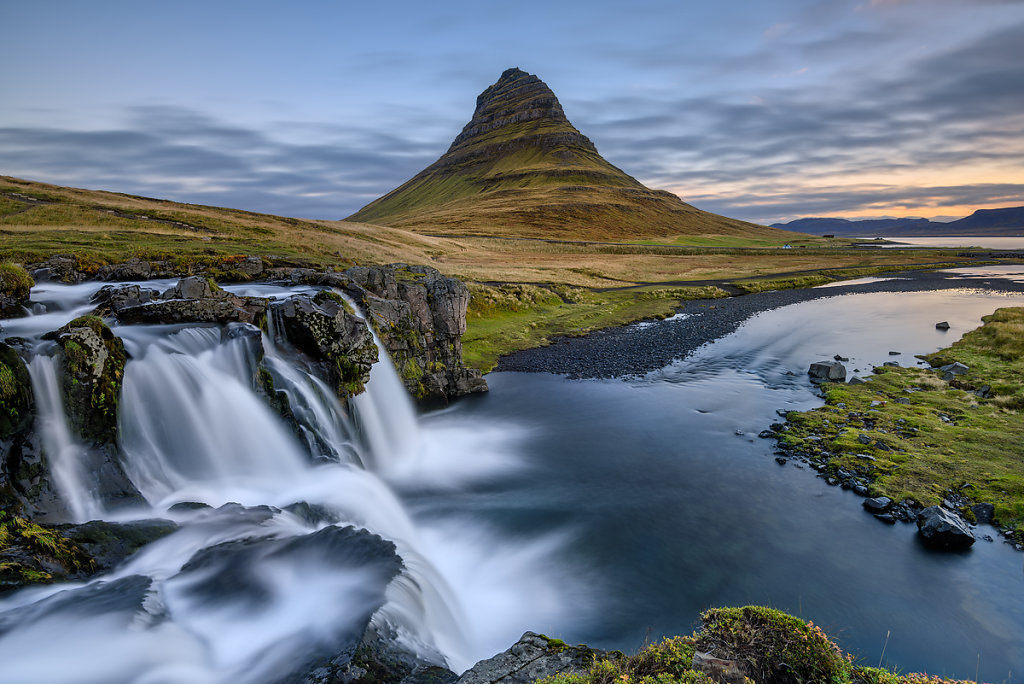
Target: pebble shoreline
{"x": 632, "y": 350}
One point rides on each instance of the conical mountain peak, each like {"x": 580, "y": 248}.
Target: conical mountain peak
{"x": 516, "y": 97}
{"x": 520, "y": 168}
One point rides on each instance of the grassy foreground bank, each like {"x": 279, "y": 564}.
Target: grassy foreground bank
{"x": 917, "y": 436}
{"x": 752, "y": 644}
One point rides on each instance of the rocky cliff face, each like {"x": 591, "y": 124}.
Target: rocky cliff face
{"x": 420, "y": 316}
{"x": 516, "y": 98}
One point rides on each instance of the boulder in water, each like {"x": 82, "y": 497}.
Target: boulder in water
{"x": 941, "y": 529}
{"x": 15, "y": 284}
{"x": 823, "y": 371}
{"x": 92, "y": 361}
{"x": 109, "y": 543}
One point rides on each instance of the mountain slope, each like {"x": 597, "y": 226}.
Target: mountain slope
{"x": 521, "y": 169}
{"x": 1008, "y": 221}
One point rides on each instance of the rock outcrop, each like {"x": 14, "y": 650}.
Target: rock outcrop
{"x": 420, "y": 317}
{"x": 531, "y": 658}
{"x": 940, "y": 529}
{"x": 15, "y": 284}
{"x": 322, "y": 327}
{"x": 827, "y": 371}
{"x": 193, "y": 300}
{"x": 92, "y": 363}
{"x": 15, "y": 393}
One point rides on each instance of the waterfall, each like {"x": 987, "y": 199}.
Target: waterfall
{"x": 193, "y": 427}
{"x": 386, "y": 414}
{"x": 65, "y": 452}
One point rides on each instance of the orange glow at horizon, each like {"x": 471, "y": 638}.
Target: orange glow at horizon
{"x": 916, "y": 193}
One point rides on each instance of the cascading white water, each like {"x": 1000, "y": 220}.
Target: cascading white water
{"x": 64, "y": 450}
{"x": 386, "y": 415}
{"x": 194, "y": 429}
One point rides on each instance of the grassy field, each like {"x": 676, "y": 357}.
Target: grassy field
{"x": 38, "y": 220}
{"x": 929, "y": 437}
{"x": 503, "y": 319}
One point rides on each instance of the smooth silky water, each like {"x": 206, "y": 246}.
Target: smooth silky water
{"x": 608, "y": 512}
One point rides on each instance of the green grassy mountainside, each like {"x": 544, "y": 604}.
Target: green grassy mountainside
{"x": 521, "y": 169}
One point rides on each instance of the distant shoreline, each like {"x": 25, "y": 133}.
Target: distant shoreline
{"x": 629, "y": 350}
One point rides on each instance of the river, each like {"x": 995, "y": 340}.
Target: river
{"x": 609, "y": 512}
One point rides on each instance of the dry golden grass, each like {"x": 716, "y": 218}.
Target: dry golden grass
{"x": 155, "y": 228}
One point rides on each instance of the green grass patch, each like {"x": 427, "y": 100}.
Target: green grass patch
{"x": 507, "y": 318}
{"x": 929, "y": 437}
{"x": 754, "y": 643}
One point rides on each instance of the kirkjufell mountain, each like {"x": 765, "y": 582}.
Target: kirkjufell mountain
{"x": 520, "y": 168}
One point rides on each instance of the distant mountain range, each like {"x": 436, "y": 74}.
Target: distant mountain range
{"x": 1008, "y": 221}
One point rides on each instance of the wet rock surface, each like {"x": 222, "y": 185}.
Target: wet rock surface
{"x": 941, "y": 529}
{"x": 322, "y": 327}
{"x": 420, "y": 316}
{"x": 193, "y": 299}
{"x": 531, "y": 658}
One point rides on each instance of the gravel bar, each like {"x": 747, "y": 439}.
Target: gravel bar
{"x": 633, "y": 349}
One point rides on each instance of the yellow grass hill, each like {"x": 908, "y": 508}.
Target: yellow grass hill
{"x": 521, "y": 169}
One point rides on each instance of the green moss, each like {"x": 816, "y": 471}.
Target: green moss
{"x": 775, "y": 646}
{"x": 331, "y": 296}
{"x": 15, "y": 281}
{"x": 928, "y": 437}
{"x": 507, "y": 318}
{"x": 43, "y": 544}
{"x": 15, "y": 393}
{"x": 92, "y": 393}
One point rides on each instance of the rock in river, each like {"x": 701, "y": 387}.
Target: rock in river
{"x": 827, "y": 370}
{"x": 940, "y": 529}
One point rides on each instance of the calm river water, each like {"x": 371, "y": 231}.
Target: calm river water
{"x": 657, "y": 500}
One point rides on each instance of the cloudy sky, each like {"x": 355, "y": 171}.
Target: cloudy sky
{"x": 766, "y": 110}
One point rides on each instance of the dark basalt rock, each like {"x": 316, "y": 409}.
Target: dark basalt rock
{"x": 941, "y": 529}
{"x": 879, "y": 504}
{"x": 15, "y": 393}
{"x": 531, "y": 658}
{"x": 383, "y": 656}
{"x": 92, "y": 361}
{"x": 420, "y": 317}
{"x": 15, "y": 285}
{"x": 192, "y": 300}
{"x": 827, "y": 371}
{"x": 984, "y": 513}
{"x": 321, "y": 327}
{"x": 60, "y": 267}
{"x": 108, "y": 544}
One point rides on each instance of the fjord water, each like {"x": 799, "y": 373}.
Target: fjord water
{"x": 608, "y": 512}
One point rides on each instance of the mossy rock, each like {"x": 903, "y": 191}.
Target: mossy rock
{"x": 36, "y": 554}
{"x": 15, "y": 285}
{"x": 15, "y": 393}
{"x": 92, "y": 364}
{"x": 777, "y": 647}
